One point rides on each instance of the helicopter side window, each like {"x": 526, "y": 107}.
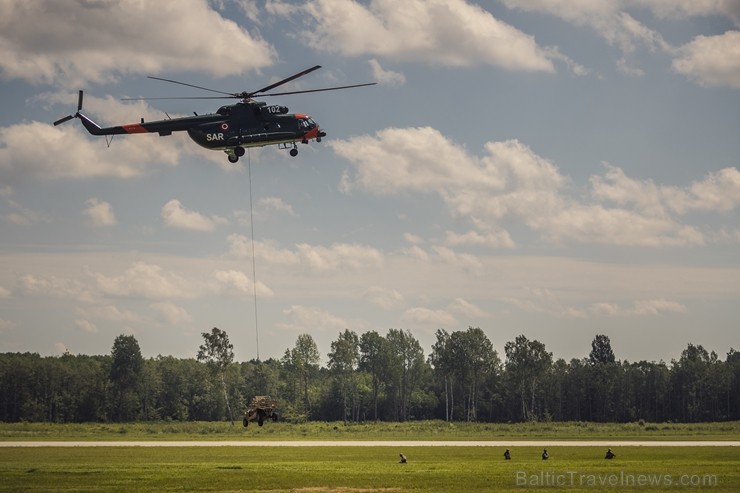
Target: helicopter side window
{"x": 224, "y": 110}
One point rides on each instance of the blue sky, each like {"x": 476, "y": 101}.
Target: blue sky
{"x": 553, "y": 168}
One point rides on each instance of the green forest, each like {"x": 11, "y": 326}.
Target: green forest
{"x": 372, "y": 377}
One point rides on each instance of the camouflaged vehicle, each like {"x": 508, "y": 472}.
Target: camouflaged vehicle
{"x": 262, "y": 407}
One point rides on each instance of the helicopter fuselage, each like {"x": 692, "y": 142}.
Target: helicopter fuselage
{"x": 231, "y": 129}
{"x": 253, "y": 125}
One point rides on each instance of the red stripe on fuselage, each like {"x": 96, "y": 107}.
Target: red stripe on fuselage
{"x": 134, "y": 128}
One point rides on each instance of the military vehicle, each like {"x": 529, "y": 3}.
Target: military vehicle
{"x": 262, "y": 407}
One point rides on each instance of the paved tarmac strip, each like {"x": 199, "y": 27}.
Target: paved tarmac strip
{"x": 368, "y": 443}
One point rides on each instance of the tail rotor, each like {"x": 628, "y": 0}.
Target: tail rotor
{"x": 69, "y": 117}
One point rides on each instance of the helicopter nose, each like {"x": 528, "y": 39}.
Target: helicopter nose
{"x": 315, "y": 133}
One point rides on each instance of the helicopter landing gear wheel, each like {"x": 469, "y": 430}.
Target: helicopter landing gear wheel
{"x": 233, "y": 158}
{"x": 239, "y": 151}
{"x": 294, "y": 152}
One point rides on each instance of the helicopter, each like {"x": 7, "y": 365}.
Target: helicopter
{"x": 234, "y": 127}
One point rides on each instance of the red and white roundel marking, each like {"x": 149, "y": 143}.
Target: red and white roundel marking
{"x": 224, "y": 126}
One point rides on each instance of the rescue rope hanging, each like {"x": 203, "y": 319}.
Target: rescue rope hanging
{"x": 254, "y": 265}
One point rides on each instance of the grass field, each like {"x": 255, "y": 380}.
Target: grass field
{"x": 347, "y": 469}
{"x": 413, "y": 430}
{"x": 367, "y": 469}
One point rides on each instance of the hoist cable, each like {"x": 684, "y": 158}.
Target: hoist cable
{"x": 254, "y": 265}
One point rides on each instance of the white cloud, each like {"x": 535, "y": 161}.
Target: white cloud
{"x": 385, "y": 298}
{"x": 639, "y": 308}
{"x": 729, "y": 235}
{"x": 543, "y": 300}
{"x": 555, "y": 304}
{"x": 711, "y": 60}
{"x": 511, "y": 182}
{"x": 423, "y": 160}
{"x": 417, "y": 253}
{"x": 75, "y": 154}
{"x": 429, "y": 317}
{"x": 230, "y": 282}
{"x": 76, "y": 42}
{"x": 176, "y": 216}
{"x": 437, "y": 32}
{"x": 171, "y": 313}
{"x": 338, "y": 256}
{"x": 681, "y": 9}
{"x": 267, "y": 204}
{"x": 608, "y": 19}
{"x": 250, "y": 9}
{"x": 625, "y": 67}
{"x": 594, "y": 223}
{"x": 658, "y": 307}
{"x": 467, "y": 309}
{"x": 386, "y": 77}
{"x": 79, "y": 155}
{"x": 310, "y": 318}
{"x": 109, "y": 313}
{"x": 6, "y": 325}
{"x": 312, "y": 258}
{"x": 55, "y": 287}
{"x": 86, "y": 326}
{"x": 605, "y": 309}
{"x": 20, "y": 215}
{"x": 718, "y": 191}
{"x": 412, "y": 238}
{"x": 499, "y": 239}
{"x": 4, "y": 293}
{"x": 99, "y": 213}
{"x": 461, "y": 260}
{"x": 144, "y": 280}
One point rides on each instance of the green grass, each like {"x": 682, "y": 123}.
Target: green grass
{"x": 363, "y": 469}
{"x": 415, "y": 430}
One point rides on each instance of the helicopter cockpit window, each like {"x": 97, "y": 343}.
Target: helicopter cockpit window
{"x": 224, "y": 110}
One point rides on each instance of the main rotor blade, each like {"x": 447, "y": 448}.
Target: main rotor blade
{"x": 178, "y": 97}
{"x": 317, "y": 90}
{"x": 79, "y": 101}
{"x": 191, "y": 85}
{"x": 284, "y": 81}
{"x": 62, "y": 120}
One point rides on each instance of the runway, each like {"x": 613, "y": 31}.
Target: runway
{"x": 384, "y": 443}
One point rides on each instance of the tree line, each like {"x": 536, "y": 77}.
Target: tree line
{"x": 372, "y": 377}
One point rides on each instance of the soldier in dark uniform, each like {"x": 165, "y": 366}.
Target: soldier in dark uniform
{"x": 507, "y": 455}
{"x": 609, "y": 454}
{"x": 545, "y": 455}
{"x": 403, "y": 459}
